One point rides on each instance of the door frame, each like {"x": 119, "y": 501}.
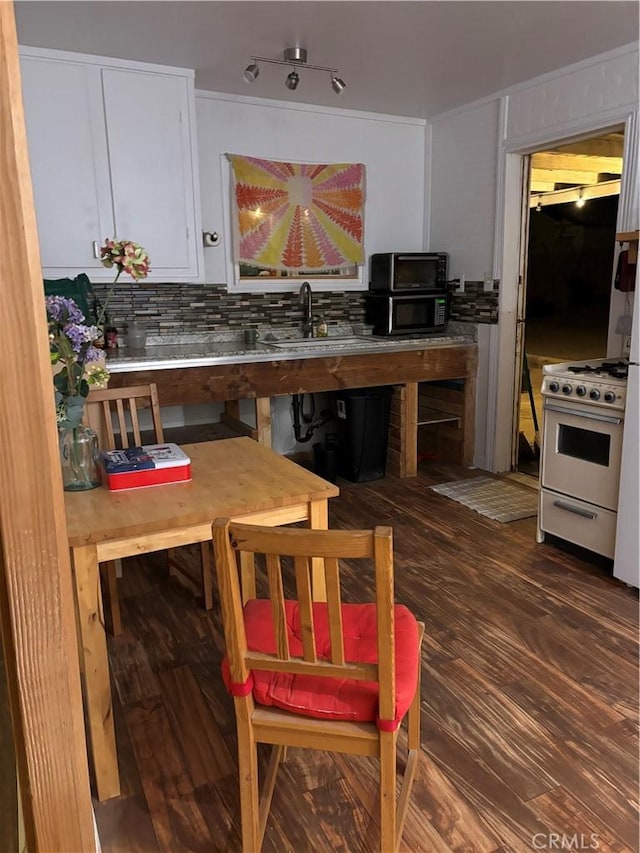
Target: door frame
{"x": 37, "y": 614}
{"x": 508, "y": 254}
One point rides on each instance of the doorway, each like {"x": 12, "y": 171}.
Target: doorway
{"x": 568, "y": 265}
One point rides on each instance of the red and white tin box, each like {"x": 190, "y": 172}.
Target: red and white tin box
{"x": 148, "y": 465}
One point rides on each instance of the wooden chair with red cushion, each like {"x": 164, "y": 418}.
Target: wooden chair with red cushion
{"x": 118, "y": 407}
{"x": 318, "y": 675}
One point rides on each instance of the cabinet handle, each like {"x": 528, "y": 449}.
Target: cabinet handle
{"x": 576, "y": 510}
{"x": 96, "y": 250}
{"x": 592, "y": 416}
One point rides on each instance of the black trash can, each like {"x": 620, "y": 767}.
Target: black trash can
{"x": 326, "y": 457}
{"x": 363, "y": 416}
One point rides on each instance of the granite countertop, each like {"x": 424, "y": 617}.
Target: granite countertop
{"x": 199, "y": 350}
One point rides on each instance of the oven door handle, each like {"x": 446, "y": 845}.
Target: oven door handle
{"x": 592, "y": 416}
{"x": 576, "y": 510}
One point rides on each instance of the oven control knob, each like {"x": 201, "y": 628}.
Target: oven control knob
{"x": 581, "y": 390}
{"x": 567, "y": 389}
{"x": 594, "y": 394}
{"x": 554, "y": 386}
{"x": 609, "y": 396}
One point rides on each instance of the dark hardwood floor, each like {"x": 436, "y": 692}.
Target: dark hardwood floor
{"x": 529, "y": 700}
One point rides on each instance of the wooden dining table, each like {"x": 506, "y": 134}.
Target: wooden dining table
{"x": 235, "y": 478}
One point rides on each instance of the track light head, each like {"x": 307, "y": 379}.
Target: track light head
{"x": 581, "y": 201}
{"x": 337, "y": 84}
{"x": 292, "y": 80}
{"x": 251, "y": 73}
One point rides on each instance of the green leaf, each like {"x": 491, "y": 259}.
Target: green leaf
{"x": 75, "y": 409}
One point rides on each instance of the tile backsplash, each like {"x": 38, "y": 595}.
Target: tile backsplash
{"x": 476, "y": 305}
{"x": 173, "y": 308}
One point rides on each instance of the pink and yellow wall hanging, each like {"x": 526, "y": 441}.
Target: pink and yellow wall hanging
{"x": 296, "y": 216}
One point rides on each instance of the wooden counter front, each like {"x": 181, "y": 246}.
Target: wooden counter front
{"x": 262, "y": 380}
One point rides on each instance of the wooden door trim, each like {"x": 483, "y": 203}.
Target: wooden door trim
{"x": 36, "y": 596}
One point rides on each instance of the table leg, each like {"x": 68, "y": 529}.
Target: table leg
{"x": 95, "y": 665}
{"x": 410, "y": 430}
{"x": 318, "y": 520}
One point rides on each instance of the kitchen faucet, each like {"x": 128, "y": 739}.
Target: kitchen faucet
{"x": 304, "y": 299}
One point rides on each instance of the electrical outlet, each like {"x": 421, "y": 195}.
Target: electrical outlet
{"x": 488, "y": 282}
{"x": 460, "y": 288}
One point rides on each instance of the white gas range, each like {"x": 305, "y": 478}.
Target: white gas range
{"x": 583, "y": 422}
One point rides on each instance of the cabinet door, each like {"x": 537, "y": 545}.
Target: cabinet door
{"x": 152, "y": 176}
{"x": 69, "y": 164}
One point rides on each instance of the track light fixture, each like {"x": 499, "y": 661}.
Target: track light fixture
{"x": 296, "y": 57}
{"x": 539, "y": 205}
{"x": 581, "y": 200}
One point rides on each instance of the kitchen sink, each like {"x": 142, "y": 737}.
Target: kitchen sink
{"x": 322, "y": 343}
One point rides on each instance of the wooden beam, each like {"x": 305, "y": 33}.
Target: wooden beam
{"x": 37, "y": 621}
{"x": 564, "y": 176}
{"x": 247, "y": 380}
{"x": 541, "y": 186}
{"x": 606, "y": 188}
{"x": 611, "y": 145}
{"x": 577, "y": 163}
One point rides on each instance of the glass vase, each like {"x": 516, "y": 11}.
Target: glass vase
{"x": 79, "y": 458}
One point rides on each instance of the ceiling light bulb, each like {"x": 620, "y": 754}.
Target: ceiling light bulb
{"x": 251, "y": 72}
{"x": 337, "y": 84}
{"x": 580, "y": 202}
{"x": 539, "y": 206}
{"x": 292, "y": 81}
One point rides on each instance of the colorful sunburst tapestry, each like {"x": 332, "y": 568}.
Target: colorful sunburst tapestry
{"x": 298, "y": 217}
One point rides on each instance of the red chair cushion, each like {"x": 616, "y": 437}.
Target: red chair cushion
{"x": 332, "y": 698}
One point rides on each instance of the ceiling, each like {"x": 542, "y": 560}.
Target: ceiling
{"x": 415, "y": 59}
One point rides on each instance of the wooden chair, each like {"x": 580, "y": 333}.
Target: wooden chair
{"x": 313, "y": 674}
{"x": 121, "y": 405}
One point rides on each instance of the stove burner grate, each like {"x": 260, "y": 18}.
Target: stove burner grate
{"x": 615, "y": 369}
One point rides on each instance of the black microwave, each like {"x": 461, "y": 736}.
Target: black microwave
{"x": 399, "y": 272}
{"x": 407, "y": 314}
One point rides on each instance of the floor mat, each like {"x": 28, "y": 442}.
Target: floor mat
{"x": 496, "y": 499}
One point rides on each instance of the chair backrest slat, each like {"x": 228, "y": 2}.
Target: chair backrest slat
{"x": 386, "y": 629}
{"x": 122, "y": 423}
{"x": 302, "y": 566}
{"x": 135, "y": 423}
{"x": 334, "y": 601}
{"x": 107, "y": 425}
{"x": 155, "y": 413}
{"x": 276, "y": 594}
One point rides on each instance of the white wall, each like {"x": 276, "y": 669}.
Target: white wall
{"x": 464, "y": 152}
{"x": 464, "y": 157}
{"x": 391, "y": 148}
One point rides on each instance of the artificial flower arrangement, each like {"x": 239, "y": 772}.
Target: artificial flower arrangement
{"x": 71, "y": 345}
{"x": 126, "y": 257}
{"x": 71, "y": 340}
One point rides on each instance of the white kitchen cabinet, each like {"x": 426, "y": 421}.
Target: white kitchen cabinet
{"x": 112, "y": 152}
